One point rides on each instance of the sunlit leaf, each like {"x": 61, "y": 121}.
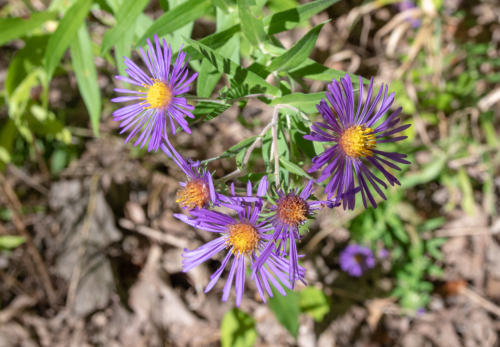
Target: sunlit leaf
{"x": 286, "y": 309}
{"x": 237, "y": 329}
{"x": 314, "y": 302}
{"x": 251, "y": 26}
{"x": 66, "y": 32}
{"x": 13, "y": 28}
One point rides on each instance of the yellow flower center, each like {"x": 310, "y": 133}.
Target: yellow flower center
{"x": 357, "y": 141}
{"x": 195, "y": 193}
{"x": 159, "y": 94}
{"x": 358, "y": 258}
{"x": 243, "y": 237}
{"x": 292, "y": 210}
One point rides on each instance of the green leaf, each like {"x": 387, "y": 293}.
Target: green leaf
{"x": 298, "y": 53}
{"x": 207, "y": 79}
{"x": 314, "y": 302}
{"x": 125, "y": 19}
{"x": 252, "y": 177}
{"x": 297, "y": 133}
{"x": 429, "y": 173}
{"x": 239, "y": 158}
{"x": 237, "y": 329}
{"x": 86, "y": 76}
{"x": 224, "y": 5}
{"x": 13, "y": 28}
{"x": 289, "y": 19}
{"x": 239, "y": 74}
{"x": 305, "y": 102}
{"x": 286, "y": 309}
{"x": 176, "y": 18}
{"x": 231, "y": 152}
{"x": 64, "y": 34}
{"x": 266, "y": 149}
{"x": 251, "y": 26}
{"x": 9, "y": 242}
{"x": 314, "y": 71}
{"x": 25, "y": 61}
{"x": 293, "y": 168}
{"x": 467, "y": 192}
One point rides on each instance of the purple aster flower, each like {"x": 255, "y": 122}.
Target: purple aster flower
{"x": 198, "y": 191}
{"x": 420, "y": 312}
{"x": 161, "y": 101}
{"x": 356, "y": 260}
{"x": 408, "y": 5}
{"x": 244, "y": 235}
{"x": 382, "y": 253}
{"x": 288, "y": 214}
{"x": 354, "y": 134}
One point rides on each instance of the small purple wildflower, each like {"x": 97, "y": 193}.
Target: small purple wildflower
{"x": 356, "y": 260}
{"x": 289, "y": 213}
{"x": 382, "y": 253}
{"x": 408, "y": 5}
{"x": 161, "y": 101}
{"x": 198, "y": 191}
{"x": 420, "y": 312}
{"x": 244, "y": 235}
{"x": 354, "y": 135}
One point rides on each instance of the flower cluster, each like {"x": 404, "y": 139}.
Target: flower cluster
{"x": 259, "y": 228}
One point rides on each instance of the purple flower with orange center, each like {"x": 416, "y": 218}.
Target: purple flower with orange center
{"x": 356, "y": 260}
{"x": 354, "y": 134}
{"x": 198, "y": 191}
{"x": 162, "y": 102}
{"x": 245, "y": 237}
{"x": 291, "y": 210}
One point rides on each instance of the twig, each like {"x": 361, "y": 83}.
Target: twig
{"x": 156, "y": 235}
{"x": 478, "y": 299}
{"x": 28, "y": 180}
{"x": 75, "y": 276}
{"x": 15, "y": 207}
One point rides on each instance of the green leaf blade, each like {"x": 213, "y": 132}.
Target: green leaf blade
{"x": 252, "y": 27}
{"x": 86, "y": 76}
{"x": 126, "y": 17}
{"x": 176, "y": 18}
{"x": 305, "y": 102}
{"x": 298, "y": 53}
{"x": 286, "y": 309}
{"x": 237, "y": 329}
{"x": 13, "y": 28}
{"x": 64, "y": 34}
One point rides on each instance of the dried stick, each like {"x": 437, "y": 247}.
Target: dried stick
{"x": 14, "y": 206}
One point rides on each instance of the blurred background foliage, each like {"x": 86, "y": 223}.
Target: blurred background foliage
{"x": 440, "y": 57}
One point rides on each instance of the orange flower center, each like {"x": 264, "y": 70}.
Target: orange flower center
{"x": 358, "y": 141}
{"x": 292, "y": 210}
{"x": 243, "y": 237}
{"x": 159, "y": 94}
{"x": 195, "y": 193}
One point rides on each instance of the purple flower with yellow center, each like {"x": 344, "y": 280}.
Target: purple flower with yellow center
{"x": 161, "y": 103}
{"x": 198, "y": 191}
{"x": 244, "y": 236}
{"x": 291, "y": 210}
{"x": 354, "y": 134}
{"x": 356, "y": 260}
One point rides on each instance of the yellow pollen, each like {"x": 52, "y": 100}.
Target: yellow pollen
{"x": 243, "y": 237}
{"x": 292, "y": 211}
{"x": 358, "y": 258}
{"x": 159, "y": 95}
{"x": 358, "y": 141}
{"x": 194, "y": 194}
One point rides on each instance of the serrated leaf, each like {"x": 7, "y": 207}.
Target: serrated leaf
{"x": 298, "y": 53}
{"x": 86, "y": 76}
{"x": 176, "y": 18}
{"x": 126, "y": 17}
{"x": 9, "y": 242}
{"x": 13, "y": 28}
{"x": 289, "y": 19}
{"x": 224, "y": 65}
{"x": 305, "y": 102}
{"x": 60, "y": 40}
{"x": 251, "y": 26}
{"x": 237, "y": 329}
{"x": 314, "y": 302}
{"x": 286, "y": 309}
{"x": 293, "y": 168}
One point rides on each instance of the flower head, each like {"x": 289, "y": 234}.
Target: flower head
{"x": 244, "y": 236}
{"x": 291, "y": 210}
{"x": 355, "y": 138}
{"x": 356, "y": 260}
{"x": 198, "y": 191}
{"x": 161, "y": 102}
